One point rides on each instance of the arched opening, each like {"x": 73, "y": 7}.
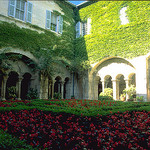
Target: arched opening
{"x": 11, "y": 85}
{"x": 132, "y": 79}
{"x": 66, "y": 88}
{"x": 25, "y": 85}
{"x": 57, "y": 86}
{"x": 108, "y": 81}
{"x": 122, "y": 84}
{"x": 99, "y": 86}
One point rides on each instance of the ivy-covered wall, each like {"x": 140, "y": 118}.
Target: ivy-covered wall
{"x": 108, "y": 37}
{"x": 58, "y": 47}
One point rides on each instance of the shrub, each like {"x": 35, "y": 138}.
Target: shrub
{"x": 11, "y": 92}
{"x": 57, "y": 95}
{"x": 107, "y": 92}
{"x": 32, "y": 94}
{"x": 131, "y": 91}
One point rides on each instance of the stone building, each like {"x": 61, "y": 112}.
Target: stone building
{"x": 72, "y": 31}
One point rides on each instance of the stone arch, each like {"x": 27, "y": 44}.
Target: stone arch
{"x": 25, "y": 64}
{"x": 111, "y": 66}
{"x": 19, "y": 51}
{"x": 109, "y": 60}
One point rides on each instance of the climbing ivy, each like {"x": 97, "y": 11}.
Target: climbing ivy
{"x": 60, "y": 47}
{"x": 108, "y": 37}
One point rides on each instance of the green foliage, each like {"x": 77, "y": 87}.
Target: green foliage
{"x": 131, "y": 91}
{"x": 86, "y": 107}
{"x": 108, "y": 37}
{"x": 57, "y": 95}
{"x": 7, "y": 141}
{"x": 140, "y": 98}
{"x": 58, "y": 47}
{"x": 102, "y": 98}
{"x": 107, "y": 92}
{"x": 11, "y": 92}
{"x": 32, "y": 94}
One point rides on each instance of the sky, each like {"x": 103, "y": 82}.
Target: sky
{"x": 76, "y": 2}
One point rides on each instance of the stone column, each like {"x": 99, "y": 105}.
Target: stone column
{"x": 53, "y": 82}
{"x": 4, "y": 87}
{"x": 103, "y": 85}
{"x": 62, "y": 89}
{"x": 50, "y": 89}
{"x": 19, "y": 88}
{"x": 127, "y": 81}
{"x": 115, "y": 89}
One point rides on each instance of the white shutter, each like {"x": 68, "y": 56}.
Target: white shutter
{"x": 78, "y": 29}
{"x": 48, "y": 19}
{"x": 29, "y": 12}
{"x": 88, "y": 25}
{"x": 60, "y": 27}
{"x": 11, "y": 9}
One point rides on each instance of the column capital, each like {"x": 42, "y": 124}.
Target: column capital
{"x": 127, "y": 79}
{"x": 5, "y": 77}
{"x": 115, "y": 80}
{"x": 62, "y": 82}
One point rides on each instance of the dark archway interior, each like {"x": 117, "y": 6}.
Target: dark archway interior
{"x": 25, "y": 84}
{"x": 99, "y": 87}
{"x": 57, "y": 85}
{"x": 11, "y": 82}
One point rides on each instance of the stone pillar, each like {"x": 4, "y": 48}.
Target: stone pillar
{"x": 19, "y": 88}
{"x": 4, "y": 87}
{"x": 103, "y": 85}
{"x": 127, "y": 85}
{"x": 62, "y": 89}
{"x": 53, "y": 82}
{"x": 50, "y": 89}
{"x": 115, "y": 89}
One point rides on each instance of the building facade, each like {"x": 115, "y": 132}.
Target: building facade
{"x": 60, "y": 49}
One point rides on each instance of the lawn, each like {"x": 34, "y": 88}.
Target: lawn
{"x": 74, "y": 124}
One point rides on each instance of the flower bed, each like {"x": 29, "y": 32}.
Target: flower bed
{"x": 42, "y": 129}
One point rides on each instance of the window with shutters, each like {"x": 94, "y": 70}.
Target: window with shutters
{"x": 17, "y": 9}
{"x": 54, "y": 22}
{"x": 83, "y": 28}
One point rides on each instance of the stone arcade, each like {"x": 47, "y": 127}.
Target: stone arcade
{"x": 113, "y": 71}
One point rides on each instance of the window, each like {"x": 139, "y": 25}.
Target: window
{"x": 54, "y": 22}
{"x": 123, "y": 16}
{"x": 83, "y": 28}
{"x": 17, "y": 9}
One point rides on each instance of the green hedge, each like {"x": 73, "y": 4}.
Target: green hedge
{"x": 103, "y": 107}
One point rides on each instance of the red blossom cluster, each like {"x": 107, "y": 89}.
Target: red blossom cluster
{"x": 128, "y": 130}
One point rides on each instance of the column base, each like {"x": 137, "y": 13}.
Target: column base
{"x": 3, "y": 99}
